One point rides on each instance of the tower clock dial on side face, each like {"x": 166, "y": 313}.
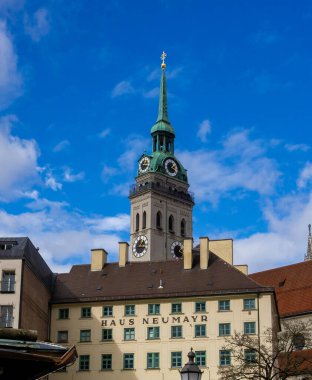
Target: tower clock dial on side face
{"x": 171, "y": 167}
{"x": 177, "y": 249}
{"x": 144, "y": 164}
{"x": 139, "y": 247}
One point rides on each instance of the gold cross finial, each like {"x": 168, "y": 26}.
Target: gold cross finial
{"x": 163, "y": 57}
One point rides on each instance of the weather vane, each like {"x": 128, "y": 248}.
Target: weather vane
{"x": 163, "y": 57}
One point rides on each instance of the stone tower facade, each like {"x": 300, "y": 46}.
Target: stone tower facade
{"x": 161, "y": 204}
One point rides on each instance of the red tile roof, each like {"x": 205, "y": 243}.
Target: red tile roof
{"x": 293, "y": 287}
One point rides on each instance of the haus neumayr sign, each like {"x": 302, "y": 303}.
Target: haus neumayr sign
{"x": 111, "y": 322}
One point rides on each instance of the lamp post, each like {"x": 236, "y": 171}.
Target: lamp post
{"x": 191, "y": 370}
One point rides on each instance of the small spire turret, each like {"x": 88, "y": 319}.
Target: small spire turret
{"x": 308, "y": 255}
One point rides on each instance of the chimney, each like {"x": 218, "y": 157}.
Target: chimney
{"x": 123, "y": 253}
{"x": 188, "y": 253}
{"x": 98, "y": 259}
{"x": 204, "y": 252}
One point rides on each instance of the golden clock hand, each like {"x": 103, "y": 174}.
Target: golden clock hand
{"x": 142, "y": 244}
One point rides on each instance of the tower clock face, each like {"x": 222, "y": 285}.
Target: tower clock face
{"x": 177, "y": 249}
{"x": 171, "y": 167}
{"x": 144, "y": 164}
{"x": 139, "y": 247}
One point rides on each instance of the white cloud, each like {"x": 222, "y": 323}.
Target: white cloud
{"x": 69, "y": 176}
{"x": 62, "y": 145}
{"x": 204, "y": 130}
{"x": 305, "y": 176}
{"x": 18, "y": 157}
{"x": 135, "y": 146}
{"x": 120, "y": 222}
{"x": 37, "y": 25}
{"x": 104, "y": 133}
{"x": 297, "y": 147}
{"x": 10, "y": 77}
{"x": 240, "y": 165}
{"x": 122, "y": 88}
{"x": 108, "y": 172}
{"x": 51, "y": 182}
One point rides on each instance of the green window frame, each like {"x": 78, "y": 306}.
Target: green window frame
{"x": 200, "y": 358}
{"x": 200, "y": 331}
{"x": 249, "y": 328}
{"x": 128, "y": 361}
{"x": 85, "y": 312}
{"x": 152, "y": 360}
{"x": 176, "y": 359}
{"x": 129, "y": 310}
{"x": 176, "y": 332}
{"x": 107, "y": 334}
{"x": 200, "y": 307}
{"x": 250, "y": 356}
{"x": 176, "y": 308}
{"x": 85, "y": 335}
{"x": 129, "y": 333}
{"x": 153, "y": 333}
{"x": 84, "y": 362}
{"x": 224, "y": 357}
{"x": 224, "y": 305}
{"x": 106, "y": 362}
{"x": 64, "y": 313}
{"x": 62, "y": 336}
{"x": 249, "y": 304}
{"x": 224, "y": 329}
{"x": 107, "y": 311}
{"x": 154, "y": 309}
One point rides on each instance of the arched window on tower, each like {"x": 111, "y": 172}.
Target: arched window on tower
{"x": 144, "y": 220}
{"x": 158, "y": 220}
{"x": 183, "y": 227}
{"x": 171, "y": 223}
{"x": 137, "y": 222}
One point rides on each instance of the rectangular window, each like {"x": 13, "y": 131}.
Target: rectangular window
{"x": 128, "y": 361}
{"x": 63, "y": 313}
{"x": 224, "y": 357}
{"x": 176, "y": 359}
{"x": 224, "y": 305}
{"x": 8, "y": 282}
{"x": 129, "y": 310}
{"x": 106, "y": 362}
{"x": 84, "y": 362}
{"x": 62, "y": 336}
{"x": 129, "y": 334}
{"x": 6, "y": 316}
{"x": 154, "y": 308}
{"x": 249, "y": 304}
{"x": 85, "y": 312}
{"x": 176, "y": 331}
{"x": 200, "y": 358}
{"x": 176, "y": 308}
{"x": 152, "y": 360}
{"x": 249, "y": 327}
{"x": 153, "y": 333}
{"x": 224, "y": 329}
{"x": 85, "y": 335}
{"x": 250, "y": 356}
{"x": 107, "y": 311}
{"x": 200, "y": 331}
{"x": 107, "y": 334}
{"x": 200, "y": 307}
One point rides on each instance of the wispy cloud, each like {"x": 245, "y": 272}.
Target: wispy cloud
{"x": 122, "y": 88}
{"x": 204, "y": 130}
{"x": 62, "y": 145}
{"x": 10, "y": 77}
{"x": 52, "y": 183}
{"x": 153, "y": 93}
{"x": 104, "y": 133}
{"x": 69, "y": 176}
{"x": 38, "y": 24}
{"x": 305, "y": 176}
{"x": 297, "y": 147}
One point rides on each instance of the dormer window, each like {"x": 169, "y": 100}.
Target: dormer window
{"x": 6, "y": 245}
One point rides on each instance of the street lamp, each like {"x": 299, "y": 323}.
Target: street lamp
{"x": 191, "y": 370}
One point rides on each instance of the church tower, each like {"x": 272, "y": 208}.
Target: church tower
{"x": 161, "y": 205}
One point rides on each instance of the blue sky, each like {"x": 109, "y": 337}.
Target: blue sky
{"x": 79, "y": 93}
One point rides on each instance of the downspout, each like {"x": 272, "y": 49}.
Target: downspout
{"x": 21, "y": 298}
{"x": 258, "y": 312}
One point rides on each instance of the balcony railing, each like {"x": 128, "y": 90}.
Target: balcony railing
{"x": 137, "y": 189}
{"x": 6, "y": 321}
{"x": 7, "y": 286}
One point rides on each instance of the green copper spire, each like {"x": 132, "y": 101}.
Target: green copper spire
{"x": 163, "y": 123}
